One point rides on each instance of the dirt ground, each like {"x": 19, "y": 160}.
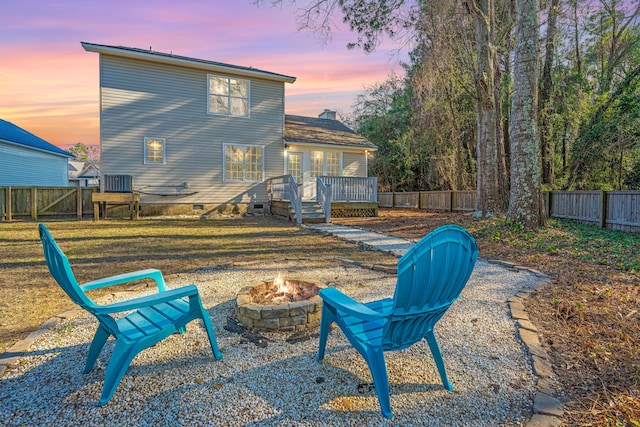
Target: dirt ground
{"x": 588, "y": 319}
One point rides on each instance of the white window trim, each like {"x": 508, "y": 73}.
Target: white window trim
{"x": 164, "y": 151}
{"x": 244, "y": 162}
{"x": 229, "y": 96}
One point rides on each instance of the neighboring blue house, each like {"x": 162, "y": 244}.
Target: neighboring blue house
{"x": 27, "y": 160}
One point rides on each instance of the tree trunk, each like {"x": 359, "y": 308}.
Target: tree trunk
{"x": 546, "y": 145}
{"x": 503, "y": 179}
{"x": 576, "y": 37}
{"x": 488, "y": 198}
{"x": 525, "y": 202}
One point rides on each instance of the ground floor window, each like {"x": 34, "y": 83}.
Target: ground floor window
{"x": 243, "y": 162}
{"x": 325, "y": 163}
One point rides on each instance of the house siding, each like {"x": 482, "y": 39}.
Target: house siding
{"x": 354, "y": 164}
{"x": 26, "y": 167}
{"x": 142, "y": 99}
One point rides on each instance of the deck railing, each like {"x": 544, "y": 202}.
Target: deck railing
{"x": 324, "y": 198}
{"x": 285, "y": 188}
{"x": 352, "y": 188}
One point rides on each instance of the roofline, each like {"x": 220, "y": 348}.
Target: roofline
{"x": 353, "y": 147}
{"x": 18, "y": 144}
{"x": 184, "y": 61}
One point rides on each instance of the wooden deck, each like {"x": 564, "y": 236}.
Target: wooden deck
{"x": 130, "y": 199}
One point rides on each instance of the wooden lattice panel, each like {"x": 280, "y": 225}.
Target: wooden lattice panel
{"x": 352, "y": 213}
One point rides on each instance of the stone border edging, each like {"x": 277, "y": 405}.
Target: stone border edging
{"x": 547, "y": 408}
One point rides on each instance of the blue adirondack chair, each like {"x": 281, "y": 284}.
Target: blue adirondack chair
{"x": 431, "y": 276}
{"x": 153, "y": 318}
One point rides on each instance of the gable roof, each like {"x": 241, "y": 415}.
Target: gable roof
{"x": 13, "y": 134}
{"x": 184, "y": 61}
{"x": 318, "y": 131}
{"x": 80, "y": 169}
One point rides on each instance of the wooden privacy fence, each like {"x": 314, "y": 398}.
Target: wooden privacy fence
{"x": 617, "y": 210}
{"x": 433, "y": 200}
{"x": 49, "y": 202}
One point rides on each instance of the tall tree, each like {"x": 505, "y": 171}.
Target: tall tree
{"x": 546, "y": 144}
{"x": 525, "y": 201}
{"x": 488, "y": 197}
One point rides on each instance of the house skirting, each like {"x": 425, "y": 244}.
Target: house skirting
{"x": 353, "y": 209}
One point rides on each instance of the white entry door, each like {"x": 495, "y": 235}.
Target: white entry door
{"x": 316, "y": 169}
{"x": 294, "y": 167}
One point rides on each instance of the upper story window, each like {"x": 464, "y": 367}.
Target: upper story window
{"x": 228, "y": 96}
{"x": 243, "y": 162}
{"x": 155, "y": 151}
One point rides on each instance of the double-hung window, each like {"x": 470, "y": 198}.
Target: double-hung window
{"x": 155, "y": 151}
{"x": 324, "y": 163}
{"x": 243, "y": 162}
{"x": 228, "y": 96}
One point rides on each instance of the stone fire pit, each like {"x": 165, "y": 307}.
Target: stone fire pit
{"x": 268, "y": 305}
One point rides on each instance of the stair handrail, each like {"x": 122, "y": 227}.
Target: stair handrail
{"x": 284, "y": 187}
{"x": 323, "y": 197}
{"x": 296, "y": 198}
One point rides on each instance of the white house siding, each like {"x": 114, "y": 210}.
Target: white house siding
{"x": 143, "y": 99}
{"x": 26, "y": 167}
{"x": 354, "y": 164}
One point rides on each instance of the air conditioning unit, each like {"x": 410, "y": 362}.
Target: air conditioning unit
{"x": 118, "y": 183}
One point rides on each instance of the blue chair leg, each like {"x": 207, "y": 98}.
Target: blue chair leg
{"x": 118, "y": 365}
{"x": 99, "y": 340}
{"x": 325, "y": 327}
{"x": 208, "y": 326}
{"x": 375, "y": 359}
{"x": 437, "y": 356}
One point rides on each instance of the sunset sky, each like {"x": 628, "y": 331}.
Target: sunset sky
{"x": 49, "y": 84}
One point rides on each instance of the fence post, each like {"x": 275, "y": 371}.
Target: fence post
{"x": 548, "y": 195}
{"x": 603, "y": 209}
{"x": 79, "y": 202}
{"x": 9, "y": 204}
{"x": 34, "y": 203}
{"x": 393, "y": 199}
{"x": 450, "y": 201}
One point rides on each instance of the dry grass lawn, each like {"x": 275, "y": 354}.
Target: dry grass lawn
{"x": 29, "y": 295}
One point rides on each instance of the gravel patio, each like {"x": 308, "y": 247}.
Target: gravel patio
{"x": 273, "y": 378}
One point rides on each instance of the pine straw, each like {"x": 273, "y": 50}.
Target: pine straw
{"x": 588, "y": 319}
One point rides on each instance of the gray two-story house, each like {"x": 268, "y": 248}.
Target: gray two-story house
{"x": 206, "y": 134}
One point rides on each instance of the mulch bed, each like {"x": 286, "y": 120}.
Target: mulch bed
{"x": 588, "y": 319}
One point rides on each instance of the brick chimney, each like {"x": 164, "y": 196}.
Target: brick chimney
{"x": 328, "y": 114}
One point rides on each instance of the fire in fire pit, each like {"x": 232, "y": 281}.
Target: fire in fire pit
{"x": 280, "y": 304}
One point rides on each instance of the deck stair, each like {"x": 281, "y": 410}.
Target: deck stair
{"x": 311, "y": 212}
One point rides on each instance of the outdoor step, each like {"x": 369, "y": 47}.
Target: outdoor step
{"x": 311, "y": 213}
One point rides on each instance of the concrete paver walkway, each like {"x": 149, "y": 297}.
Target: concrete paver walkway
{"x": 369, "y": 239}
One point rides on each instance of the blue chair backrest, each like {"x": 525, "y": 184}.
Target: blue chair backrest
{"x": 431, "y": 276}
{"x": 60, "y": 269}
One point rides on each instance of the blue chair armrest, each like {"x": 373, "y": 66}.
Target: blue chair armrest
{"x": 174, "y": 294}
{"x": 336, "y": 299}
{"x": 150, "y": 273}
